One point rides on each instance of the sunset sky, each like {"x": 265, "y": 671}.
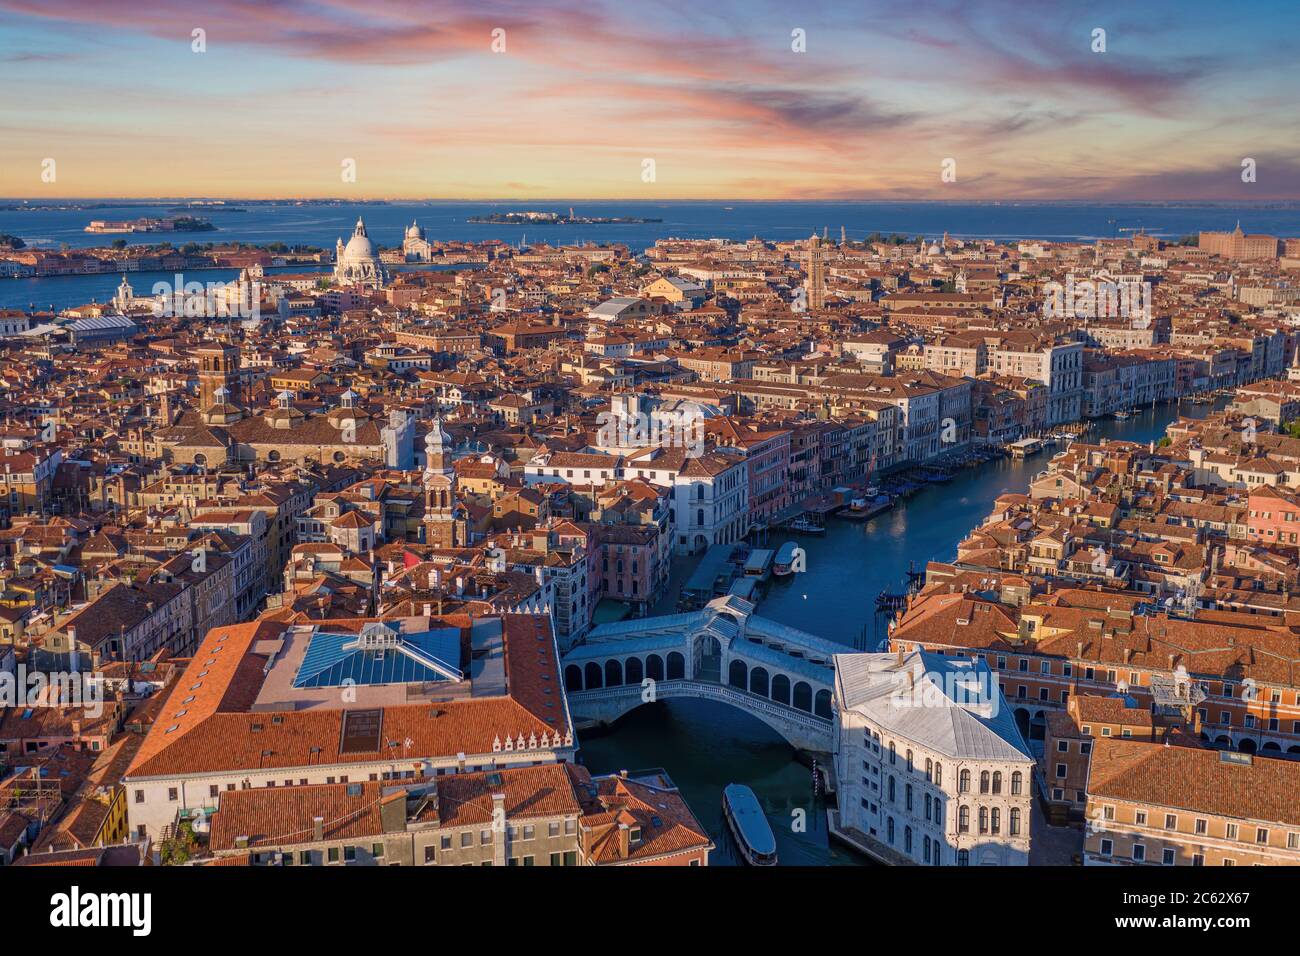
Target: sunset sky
{"x": 711, "y": 91}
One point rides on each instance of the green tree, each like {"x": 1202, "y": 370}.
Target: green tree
{"x": 180, "y": 848}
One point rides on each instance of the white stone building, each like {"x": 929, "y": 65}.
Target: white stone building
{"x": 357, "y": 263}
{"x": 931, "y": 767}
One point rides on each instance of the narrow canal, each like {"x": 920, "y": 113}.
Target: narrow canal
{"x": 705, "y": 745}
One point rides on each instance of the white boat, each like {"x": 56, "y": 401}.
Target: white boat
{"x": 749, "y": 825}
{"x": 783, "y": 563}
{"x": 805, "y": 525}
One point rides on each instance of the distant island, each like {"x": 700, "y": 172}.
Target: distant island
{"x": 171, "y": 224}
{"x": 534, "y": 218}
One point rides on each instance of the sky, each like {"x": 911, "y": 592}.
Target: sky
{"x": 636, "y": 99}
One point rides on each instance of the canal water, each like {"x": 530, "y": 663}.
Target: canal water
{"x": 705, "y": 745}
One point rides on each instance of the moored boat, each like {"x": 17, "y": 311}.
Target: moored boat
{"x": 861, "y": 509}
{"x": 783, "y": 563}
{"x": 805, "y": 525}
{"x": 749, "y": 825}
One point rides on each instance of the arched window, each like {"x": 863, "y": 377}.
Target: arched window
{"x": 1015, "y": 784}
{"x": 963, "y": 782}
{"x": 1015, "y": 821}
{"x": 907, "y": 839}
{"x": 907, "y": 796}
{"x": 890, "y": 828}
{"x": 676, "y": 666}
{"x": 909, "y": 761}
{"x": 984, "y": 781}
{"x": 938, "y": 775}
{"x": 654, "y": 667}
{"x": 781, "y": 689}
{"x": 963, "y": 820}
{"x": 984, "y": 819}
{"x": 997, "y": 820}
{"x": 891, "y": 789}
{"x": 929, "y": 769}
{"x": 928, "y": 802}
{"x": 925, "y": 849}
{"x": 997, "y": 781}
{"x": 699, "y": 517}
{"x": 963, "y": 857}
{"x": 893, "y": 754}
{"x": 573, "y": 677}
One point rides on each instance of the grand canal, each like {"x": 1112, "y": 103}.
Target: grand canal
{"x": 704, "y": 746}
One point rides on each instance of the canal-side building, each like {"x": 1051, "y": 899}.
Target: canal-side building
{"x": 343, "y": 701}
{"x": 931, "y": 767}
{"x": 1153, "y": 804}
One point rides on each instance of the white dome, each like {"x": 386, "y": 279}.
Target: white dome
{"x": 358, "y": 262}
{"x": 359, "y": 248}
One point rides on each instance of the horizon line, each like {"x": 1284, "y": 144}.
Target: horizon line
{"x": 668, "y": 199}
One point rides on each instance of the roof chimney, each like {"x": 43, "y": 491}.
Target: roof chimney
{"x": 317, "y": 829}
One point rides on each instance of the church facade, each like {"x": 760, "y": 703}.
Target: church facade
{"x": 357, "y": 264}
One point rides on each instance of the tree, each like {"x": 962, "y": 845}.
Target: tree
{"x": 13, "y": 242}
{"x": 180, "y": 849}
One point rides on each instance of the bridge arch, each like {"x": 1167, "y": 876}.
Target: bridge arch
{"x": 572, "y": 677}
{"x": 800, "y": 729}
{"x": 613, "y": 673}
{"x": 781, "y": 689}
{"x": 654, "y": 667}
{"x": 801, "y": 698}
{"x": 822, "y": 704}
{"x": 758, "y": 681}
{"x": 676, "y": 665}
{"x": 633, "y": 670}
{"x": 593, "y": 676}
{"x": 738, "y": 674}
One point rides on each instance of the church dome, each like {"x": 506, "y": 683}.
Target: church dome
{"x": 358, "y": 262}
{"x": 359, "y": 248}
{"x": 414, "y": 231}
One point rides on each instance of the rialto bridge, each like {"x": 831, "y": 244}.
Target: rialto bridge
{"x": 723, "y": 652}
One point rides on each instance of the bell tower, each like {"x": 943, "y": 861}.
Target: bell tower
{"x": 444, "y": 522}
{"x": 218, "y": 369}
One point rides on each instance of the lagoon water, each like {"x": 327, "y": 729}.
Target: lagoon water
{"x": 321, "y": 225}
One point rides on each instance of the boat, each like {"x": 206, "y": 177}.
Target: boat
{"x": 1121, "y": 414}
{"x": 863, "y": 508}
{"x": 805, "y": 525}
{"x": 783, "y": 563}
{"x": 749, "y": 825}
